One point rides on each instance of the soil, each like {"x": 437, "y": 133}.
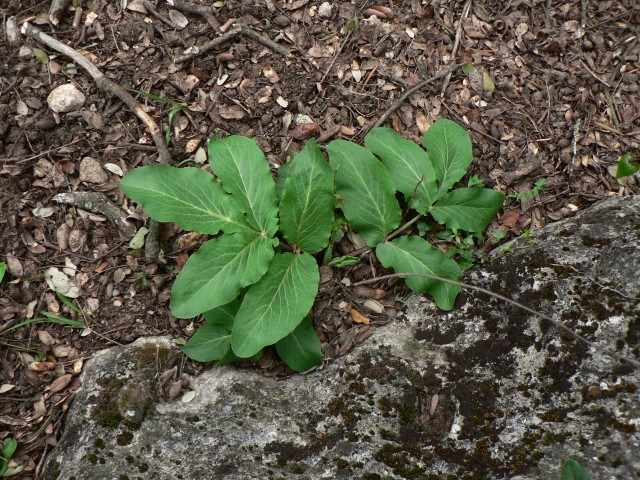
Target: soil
{"x": 554, "y": 98}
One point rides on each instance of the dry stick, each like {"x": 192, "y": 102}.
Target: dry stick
{"x": 410, "y": 92}
{"x": 153, "y": 12}
{"x": 98, "y": 203}
{"x": 558, "y": 324}
{"x": 104, "y": 84}
{"x": 247, "y": 32}
{"x": 205, "y": 12}
{"x": 456, "y": 44}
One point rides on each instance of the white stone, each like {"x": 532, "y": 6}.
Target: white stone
{"x": 325, "y": 9}
{"x": 65, "y": 98}
{"x": 91, "y": 171}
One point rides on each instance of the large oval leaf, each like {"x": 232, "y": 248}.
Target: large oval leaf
{"x": 408, "y": 164}
{"x": 306, "y": 209}
{"x": 273, "y": 307}
{"x": 189, "y": 196}
{"x": 449, "y": 147}
{"x": 572, "y": 470}
{"x": 416, "y": 255}
{"x": 368, "y": 193}
{"x": 469, "y": 209}
{"x": 245, "y": 173}
{"x": 214, "y": 275}
{"x": 301, "y": 349}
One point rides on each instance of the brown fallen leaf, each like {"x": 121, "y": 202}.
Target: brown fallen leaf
{"x": 359, "y": 317}
{"x": 61, "y": 383}
{"x": 42, "y": 366}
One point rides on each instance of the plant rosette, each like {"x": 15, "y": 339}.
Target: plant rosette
{"x": 256, "y": 279}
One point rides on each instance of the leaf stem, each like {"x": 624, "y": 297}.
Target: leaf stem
{"x": 404, "y": 227}
{"x": 555, "y": 322}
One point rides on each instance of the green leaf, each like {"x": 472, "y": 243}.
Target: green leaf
{"x": 449, "y": 147}
{"x": 343, "y": 261}
{"x": 167, "y": 136}
{"x": 245, "y": 173}
{"x": 224, "y": 315}
{"x": 572, "y": 470}
{"x": 469, "y": 209}
{"x": 416, "y": 255}
{"x": 9, "y": 447}
{"x": 368, "y": 193}
{"x": 408, "y": 164}
{"x": 214, "y": 275}
{"x": 3, "y": 268}
{"x": 211, "y": 342}
{"x": 273, "y": 307}
{"x": 306, "y": 209}
{"x": 189, "y": 196}
{"x": 626, "y": 167}
{"x": 301, "y": 349}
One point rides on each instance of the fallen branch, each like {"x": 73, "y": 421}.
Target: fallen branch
{"x": 245, "y": 31}
{"x": 398, "y": 103}
{"x": 105, "y": 85}
{"x": 205, "y": 12}
{"x": 555, "y": 322}
{"x": 97, "y": 202}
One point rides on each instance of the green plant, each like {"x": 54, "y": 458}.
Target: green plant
{"x": 538, "y": 185}
{"x": 572, "y": 470}
{"x": 627, "y": 165}
{"x": 3, "y": 269}
{"x": 179, "y": 106}
{"x": 257, "y": 279}
{"x": 8, "y": 449}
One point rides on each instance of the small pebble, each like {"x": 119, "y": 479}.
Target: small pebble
{"x": 65, "y": 98}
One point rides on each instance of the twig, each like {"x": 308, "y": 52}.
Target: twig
{"x": 98, "y": 203}
{"x": 410, "y": 92}
{"x": 205, "y": 12}
{"x": 456, "y": 44}
{"x": 153, "y": 12}
{"x": 104, "y": 84}
{"x": 335, "y": 57}
{"x": 247, "y": 32}
{"x": 56, "y": 10}
{"x": 555, "y": 322}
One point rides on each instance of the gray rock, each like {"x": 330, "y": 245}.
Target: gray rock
{"x": 484, "y": 391}
{"x": 91, "y": 171}
{"x": 65, "y": 98}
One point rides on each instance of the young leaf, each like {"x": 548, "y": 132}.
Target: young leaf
{"x": 572, "y": 470}
{"x": 301, "y": 349}
{"x": 245, "y": 173}
{"x": 449, "y": 147}
{"x": 189, "y": 196}
{"x": 273, "y": 307}
{"x": 469, "y": 209}
{"x": 368, "y": 193}
{"x": 224, "y": 314}
{"x": 9, "y": 447}
{"x": 626, "y": 167}
{"x": 214, "y": 275}
{"x": 3, "y": 268}
{"x": 211, "y": 342}
{"x": 408, "y": 164}
{"x": 306, "y": 209}
{"x": 416, "y": 255}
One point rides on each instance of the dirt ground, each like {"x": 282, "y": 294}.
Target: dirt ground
{"x": 554, "y": 97}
